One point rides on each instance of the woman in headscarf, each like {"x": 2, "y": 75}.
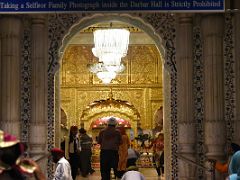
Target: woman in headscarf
{"x": 234, "y": 167}
{"x": 158, "y": 153}
{"x": 123, "y": 152}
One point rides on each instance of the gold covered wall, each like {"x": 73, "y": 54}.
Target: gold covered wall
{"x": 140, "y": 84}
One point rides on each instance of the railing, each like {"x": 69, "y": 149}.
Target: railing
{"x": 211, "y": 170}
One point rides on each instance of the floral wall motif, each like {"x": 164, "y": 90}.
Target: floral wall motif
{"x": 198, "y": 85}
{"x": 229, "y": 77}
{"x": 26, "y": 84}
{"x": 164, "y": 25}
{"x": 59, "y": 25}
{"x": 142, "y": 63}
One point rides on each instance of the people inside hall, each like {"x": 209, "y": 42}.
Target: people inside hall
{"x": 123, "y": 152}
{"x": 109, "y": 139}
{"x": 158, "y": 153}
{"x": 85, "y": 153}
{"x": 13, "y": 165}
{"x": 63, "y": 168}
{"x": 74, "y": 151}
{"x": 234, "y": 167}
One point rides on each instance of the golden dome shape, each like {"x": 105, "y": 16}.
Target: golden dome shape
{"x": 110, "y": 107}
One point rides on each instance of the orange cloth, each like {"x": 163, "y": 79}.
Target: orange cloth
{"x": 123, "y": 153}
{"x": 221, "y": 167}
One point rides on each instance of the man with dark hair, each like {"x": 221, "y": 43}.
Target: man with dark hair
{"x": 74, "y": 151}
{"x": 63, "y": 169}
{"x": 86, "y": 153}
{"x": 109, "y": 139}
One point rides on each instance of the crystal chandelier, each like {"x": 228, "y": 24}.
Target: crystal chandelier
{"x": 106, "y": 73}
{"x": 110, "y": 45}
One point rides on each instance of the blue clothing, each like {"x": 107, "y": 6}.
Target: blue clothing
{"x": 234, "y": 177}
{"x": 234, "y": 165}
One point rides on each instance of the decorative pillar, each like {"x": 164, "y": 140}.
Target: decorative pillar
{"x": 0, "y": 78}
{"x": 11, "y": 32}
{"x": 236, "y": 124}
{"x": 187, "y": 130}
{"x": 38, "y": 123}
{"x": 215, "y": 127}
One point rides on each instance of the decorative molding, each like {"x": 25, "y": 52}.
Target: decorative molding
{"x": 59, "y": 25}
{"x": 163, "y": 24}
{"x": 198, "y": 89}
{"x": 26, "y": 71}
{"x": 229, "y": 77}
{"x": 50, "y": 124}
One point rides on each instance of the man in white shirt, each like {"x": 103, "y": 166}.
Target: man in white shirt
{"x": 63, "y": 169}
{"x": 133, "y": 175}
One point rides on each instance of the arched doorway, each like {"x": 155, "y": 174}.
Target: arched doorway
{"x": 97, "y": 111}
{"x": 169, "y": 71}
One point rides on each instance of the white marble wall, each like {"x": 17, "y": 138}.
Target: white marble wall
{"x": 39, "y": 86}
{"x": 11, "y": 30}
{"x": 186, "y": 126}
{"x": 215, "y": 127}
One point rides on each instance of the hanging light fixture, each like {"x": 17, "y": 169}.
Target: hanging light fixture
{"x": 105, "y": 73}
{"x": 110, "y": 45}
{"x": 106, "y": 76}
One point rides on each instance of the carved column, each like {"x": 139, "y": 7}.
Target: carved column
{"x": 236, "y": 124}
{"x": 215, "y": 127}
{"x": 38, "y": 128}
{"x": 10, "y": 30}
{"x": 0, "y": 78}
{"x": 187, "y": 132}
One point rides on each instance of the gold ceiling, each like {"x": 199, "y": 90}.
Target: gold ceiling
{"x": 108, "y": 25}
{"x": 102, "y": 108}
{"x": 137, "y": 91}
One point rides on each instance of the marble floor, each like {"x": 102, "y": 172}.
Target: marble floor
{"x": 149, "y": 173}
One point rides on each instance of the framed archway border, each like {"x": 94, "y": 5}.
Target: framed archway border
{"x": 62, "y": 27}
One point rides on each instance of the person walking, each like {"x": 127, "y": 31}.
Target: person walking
{"x": 123, "y": 152}
{"x": 85, "y": 153}
{"x": 63, "y": 168}
{"x": 158, "y": 153}
{"x": 74, "y": 151}
{"x": 109, "y": 140}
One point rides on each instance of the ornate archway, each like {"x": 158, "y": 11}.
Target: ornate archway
{"x": 63, "y": 26}
{"x": 110, "y": 107}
